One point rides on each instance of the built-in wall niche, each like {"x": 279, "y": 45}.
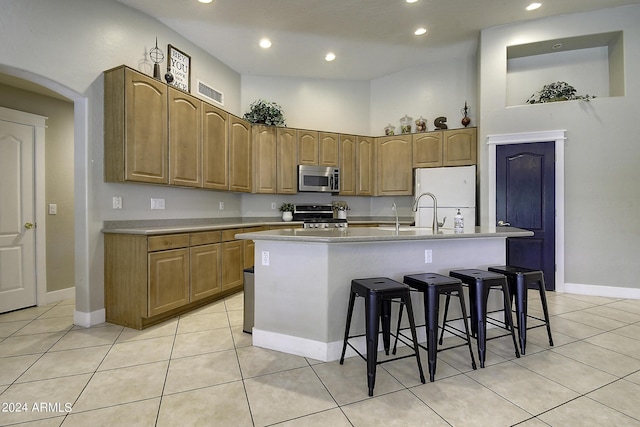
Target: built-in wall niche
{"x": 593, "y": 64}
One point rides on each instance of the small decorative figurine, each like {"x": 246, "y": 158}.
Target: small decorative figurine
{"x": 168, "y": 76}
{"x": 440, "y": 122}
{"x": 421, "y": 125}
{"x": 465, "y": 120}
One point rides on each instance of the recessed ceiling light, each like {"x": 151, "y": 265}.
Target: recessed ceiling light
{"x": 420, "y": 31}
{"x": 330, "y": 56}
{"x": 412, "y": 1}
{"x": 206, "y": 1}
{"x": 534, "y": 6}
{"x": 265, "y": 43}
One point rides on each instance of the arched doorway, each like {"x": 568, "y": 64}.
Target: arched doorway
{"x": 33, "y": 82}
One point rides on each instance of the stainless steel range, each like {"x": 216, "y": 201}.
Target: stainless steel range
{"x": 318, "y": 216}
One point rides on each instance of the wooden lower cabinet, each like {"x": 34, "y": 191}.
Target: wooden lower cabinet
{"x": 232, "y": 264}
{"x": 168, "y": 280}
{"x": 206, "y": 263}
{"x": 149, "y": 279}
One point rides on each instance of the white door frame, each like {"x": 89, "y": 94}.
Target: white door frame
{"x": 557, "y": 136}
{"x": 38, "y": 123}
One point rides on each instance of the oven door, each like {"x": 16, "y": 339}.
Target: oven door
{"x": 318, "y": 178}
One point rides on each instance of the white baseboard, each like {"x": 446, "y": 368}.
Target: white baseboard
{"x": 324, "y": 352}
{"x": 87, "y": 320}
{"x": 601, "y": 291}
{"x": 61, "y": 295}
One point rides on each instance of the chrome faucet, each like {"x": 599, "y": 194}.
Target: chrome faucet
{"x": 436, "y": 225}
{"x": 395, "y": 209}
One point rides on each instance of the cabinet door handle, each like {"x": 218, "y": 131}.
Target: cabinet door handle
{"x": 501, "y": 223}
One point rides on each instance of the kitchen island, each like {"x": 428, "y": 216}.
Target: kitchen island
{"x": 303, "y": 276}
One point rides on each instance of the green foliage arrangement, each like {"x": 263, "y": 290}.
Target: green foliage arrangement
{"x": 265, "y": 112}
{"x": 558, "y": 91}
{"x": 287, "y": 207}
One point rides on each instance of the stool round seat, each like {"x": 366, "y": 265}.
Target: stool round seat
{"x": 378, "y": 293}
{"x": 520, "y": 279}
{"x": 432, "y": 286}
{"x": 480, "y": 282}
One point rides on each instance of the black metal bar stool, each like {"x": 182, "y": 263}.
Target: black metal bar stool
{"x": 432, "y": 286}
{"x": 378, "y": 294}
{"x": 520, "y": 279}
{"x": 480, "y": 282}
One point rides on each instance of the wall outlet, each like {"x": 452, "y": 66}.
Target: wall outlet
{"x": 265, "y": 257}
{"x": 221, "y": 206}
{"x": 273, "y": 205}
{"x": 157, "y": 203}
{"x": 117, "y": 202}
{"x": 428, "y": 256}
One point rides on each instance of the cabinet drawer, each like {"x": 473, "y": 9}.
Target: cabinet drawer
{"x": 254, "y": 229}
{"x": 170, "y": 241}
{"x": 229, "y": 235}
{"x": 205, "y": 238}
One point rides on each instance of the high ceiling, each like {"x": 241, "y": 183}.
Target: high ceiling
{"x": 370, "y": 38}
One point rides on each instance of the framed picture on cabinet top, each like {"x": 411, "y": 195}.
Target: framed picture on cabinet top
{"x": 180, "y": 64}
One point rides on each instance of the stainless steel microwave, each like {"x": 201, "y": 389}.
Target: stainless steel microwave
{"x": 318, "y": 178}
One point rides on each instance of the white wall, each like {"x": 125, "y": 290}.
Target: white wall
{"x": 602, "y": 198}
{"x": 317, "y": 104}
{"x": 437, "y": 88}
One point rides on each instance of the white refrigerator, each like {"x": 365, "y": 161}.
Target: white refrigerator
{"x": 453, "y": 187}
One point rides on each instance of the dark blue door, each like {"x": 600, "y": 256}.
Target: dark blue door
{"x": 525, "y": 198}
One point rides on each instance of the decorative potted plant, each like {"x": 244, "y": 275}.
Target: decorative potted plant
{"x": 558, "y": 91}
{"x": 265, "y": 112}
{"x": 340, "y": 208}
{"x": 287, "y": 211}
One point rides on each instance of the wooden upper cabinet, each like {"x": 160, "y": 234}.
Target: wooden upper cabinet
{"x": 348, "y": 165}
{"x": 460, "y": 147}
{"x": 287, "y": 161}
{"x": 135, "y": 127}
{"x": 393, "y": 172}
{"x": 328, "y": 149}
{"x": 215, "y": 148}
{"x": 240, "y": 158}
{"x": 185, "y": 141}
{"x": 307, "y": 147}
{"x": 365, "y": 166}
{"x": 264, "y": 154}
{"x": 427, "y": 149}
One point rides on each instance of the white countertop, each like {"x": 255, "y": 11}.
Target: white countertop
{"x": 380, "y": 234}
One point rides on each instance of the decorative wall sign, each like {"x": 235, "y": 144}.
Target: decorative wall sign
{"x": 180, "y": 68}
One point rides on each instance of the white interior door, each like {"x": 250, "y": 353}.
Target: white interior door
{"x": 17, "y": 217}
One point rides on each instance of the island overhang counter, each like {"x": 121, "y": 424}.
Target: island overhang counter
{"x": 303, "y": 276}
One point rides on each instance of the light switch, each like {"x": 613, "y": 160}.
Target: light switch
{"x": 53, "y": 209}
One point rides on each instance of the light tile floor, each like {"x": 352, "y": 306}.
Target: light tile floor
{"x": 201, "y": 370}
